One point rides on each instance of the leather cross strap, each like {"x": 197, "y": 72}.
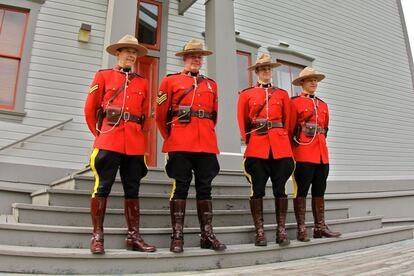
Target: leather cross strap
{"x": 199, "y": 80}
{"x": 265, "y": 102}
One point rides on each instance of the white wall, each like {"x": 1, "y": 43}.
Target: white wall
{"x": 61, "y": 69}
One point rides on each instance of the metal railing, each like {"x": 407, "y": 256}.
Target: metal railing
{"x": 21, "y": 141}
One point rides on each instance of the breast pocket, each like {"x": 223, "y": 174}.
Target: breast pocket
{"x": 275, "y": 109}
{"x": 206, "y": 98}
{"x": 137, "y": 98}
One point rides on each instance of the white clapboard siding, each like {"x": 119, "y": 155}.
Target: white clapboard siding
{"x": 361, "y": 47}
{"x": 60, "y": 72}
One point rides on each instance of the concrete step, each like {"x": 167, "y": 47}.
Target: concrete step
{"x": 79, "y": 237}
{"x": 25, "y": 259}
{"x": 80, "y": 216}
{"x": 79, "y": 198}
{"x": 163, "y": 186}
{"x": 9, "y": 194}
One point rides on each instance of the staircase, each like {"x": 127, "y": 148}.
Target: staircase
{"x": 51, "y": 233}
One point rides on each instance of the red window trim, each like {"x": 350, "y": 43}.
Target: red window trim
{"x": 249, "y": 63}
{"x": 159, "y": 15}
{"x": 290, "y": 65}
{"x": 19, "y": 58}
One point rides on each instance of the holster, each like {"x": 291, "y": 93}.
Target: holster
{"x": 113, "y": 113}
{"x": 100, "y": 115}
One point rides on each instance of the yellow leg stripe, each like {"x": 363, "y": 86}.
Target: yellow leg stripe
{"x": 145, "y": 161}
{"x": 173, "y": 183}
{"x": 173, "y": 189}
{"x": 295, "y": 186}
{"x": 249, "y": 177}
{"x": 95, "y": 173}
{"x": 295, "y": 191}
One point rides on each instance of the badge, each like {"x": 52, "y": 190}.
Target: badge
{"x": 93, "y": 88}
{"x": 162, "y": 97}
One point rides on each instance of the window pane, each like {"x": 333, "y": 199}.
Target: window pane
{"x": 8, "y": 75}
{"x": 243, "y": 73}
{"x": 283, "y": 78}
{"x": 12, "y": 32}
{"x": 295, "y": 73}
{"x": 148, "y": 23}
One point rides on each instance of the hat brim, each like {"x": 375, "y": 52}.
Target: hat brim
{"x": 269, "y": 64}
{"x": 112, "y": 49}
{"x": 298, "y": 81}
{"x": 194, "y": 52}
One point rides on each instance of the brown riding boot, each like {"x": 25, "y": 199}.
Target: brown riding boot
{"x": 177, "y": 212}
{"x": 98, "y": 207}
{"x": 281, "y": 205}
{"x": 256, "y": 207}
{"x": 299, "y": 205}
{"x": 321, "y": 229}
{"x": 205, "y": 216}
{"x": 134, "y": 240}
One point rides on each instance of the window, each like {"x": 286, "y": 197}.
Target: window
{"x": 244, "y": 60}
{"x": 13, "y": 24}
{"x": 149, "y": 23}
{"x": 285, "y": 74}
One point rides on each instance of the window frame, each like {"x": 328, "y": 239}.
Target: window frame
{"x": 33, "y": 8}
{"x": 286, "y": 55}
{"x": 13, "y": 57}
{"x": 249, "y": 63}
{"x": 290, "y": 65}
{"x": 157, "y": 46}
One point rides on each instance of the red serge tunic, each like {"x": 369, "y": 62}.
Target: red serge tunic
{"x": 199, "y": 134}
{"x": 302, "y": 108}
{"x": 127, "y": 137}
{"x": 276, "y": 139}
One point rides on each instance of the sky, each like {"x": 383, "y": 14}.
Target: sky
{"x": 408, "y": 8}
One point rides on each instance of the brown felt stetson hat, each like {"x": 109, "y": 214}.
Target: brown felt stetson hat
{"x": 194, "y": 47}
{"x": 128, "y": 41}
{"x": 264, "y": 60}
{"x": 306, "y": 73}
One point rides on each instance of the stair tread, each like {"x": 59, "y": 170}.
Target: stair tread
{"x": 144, "y": 211}
{"x": 217, "y": 229}
{"x": 12, "y": 250}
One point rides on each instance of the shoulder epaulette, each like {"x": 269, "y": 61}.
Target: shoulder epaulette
{"x": 247, "y": 88}
{"x": 173, "y": 74}
{"x": 320, "y": 99}
{"x": 208, "y": 78}
{"x": 105, "y": 69}
{"x": 294, "y": 97}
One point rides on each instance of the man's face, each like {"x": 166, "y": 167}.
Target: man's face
{"x": 127, "y": 57}
{"x": 264, "y": 73}
{"x": 193, "y": 63}
{"x": 309, "y": 85}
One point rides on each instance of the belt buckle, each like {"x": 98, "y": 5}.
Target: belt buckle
{"x": 126, "y": 116}
{"x": 269, "y": 125}
{"x": 201, "y": 113}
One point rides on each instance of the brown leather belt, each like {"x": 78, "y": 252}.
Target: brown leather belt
{"x": 319, "y": 130}
{"x": 269, "y": 125}
{"x": 199, "y": 114}
{"x": 126, "y": 116}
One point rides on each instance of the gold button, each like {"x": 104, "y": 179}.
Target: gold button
{"x": 113, "y": 88}
{"x": 127, "y": 108}
{"x": 127, "y": 97}
{"x": 140, "y": 93}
